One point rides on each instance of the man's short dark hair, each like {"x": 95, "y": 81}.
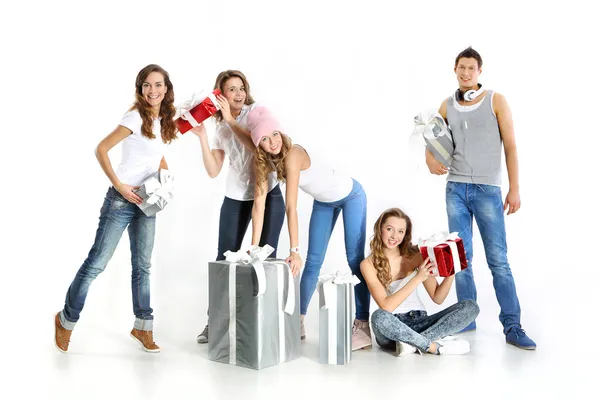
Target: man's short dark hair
{"x": 469, "y": 52}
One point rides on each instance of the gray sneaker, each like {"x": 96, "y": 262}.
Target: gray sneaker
{"x": 203, "y": 337}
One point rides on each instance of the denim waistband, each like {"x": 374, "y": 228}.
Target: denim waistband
{"x": 112, "y": 193}
{"x": 416, "y": 313}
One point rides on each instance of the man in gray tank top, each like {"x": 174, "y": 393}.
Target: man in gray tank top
{"x": 481, "y": 122}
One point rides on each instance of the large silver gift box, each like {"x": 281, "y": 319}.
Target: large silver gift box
{"x": 336, "y": 309}
{"x": 437, "y": 135}
{"x": 249, "y": 328}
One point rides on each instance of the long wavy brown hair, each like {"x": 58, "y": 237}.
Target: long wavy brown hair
{"x": 265, "y": 163}
{"x": 220, "y": 84}
{"x": 406, "y": 248}
{"x": 168, "y": 129}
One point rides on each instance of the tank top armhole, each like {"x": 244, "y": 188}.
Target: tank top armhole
{"x": 307, "y": 155}
{"x": 492, "y": 104}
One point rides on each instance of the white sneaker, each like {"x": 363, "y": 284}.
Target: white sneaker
{"x": 403, "y": 349}
{"x": 453, "y": 347}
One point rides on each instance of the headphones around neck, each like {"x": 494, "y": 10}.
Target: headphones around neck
{"x": 469, "y": 95}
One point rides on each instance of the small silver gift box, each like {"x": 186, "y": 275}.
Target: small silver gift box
{"x": 156, "y": 192}
{"x": 254, "y": 312}
{"x": 336, "y": 309}
{"x": 437, "y": 135}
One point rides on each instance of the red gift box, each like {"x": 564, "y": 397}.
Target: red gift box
{"x": 448, "y": 250}
{"x": 198, "y": 113}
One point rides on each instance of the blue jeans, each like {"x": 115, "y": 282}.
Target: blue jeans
{"x": 116, "y": 215}
{"x": 418, "y": 329}
{"x": 484, "y": 202}
{"x": 322, "y": 222}
{"x": 236, "y": 215}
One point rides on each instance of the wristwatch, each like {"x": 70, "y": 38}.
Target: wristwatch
{"x": 295, "y": 250}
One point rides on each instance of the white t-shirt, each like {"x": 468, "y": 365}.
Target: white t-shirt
{"x": 141, "y": 155}
{"x": 241, "y": 177}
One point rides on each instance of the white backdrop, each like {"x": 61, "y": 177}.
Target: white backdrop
{"x": 345, "y": 79}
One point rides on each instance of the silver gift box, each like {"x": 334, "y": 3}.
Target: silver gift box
{"x": 335, "y": 322}
{"x": 437, "y": 135}
{"x": 246, "y": 328}
{"x": 158, "y": 187}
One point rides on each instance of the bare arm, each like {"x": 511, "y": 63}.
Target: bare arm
{"x": 258, "y": 210}
{"x": 436, "y": 167}
{"x": 110, "y": 141}
{"x": 293, "y": 163}
{"x": 212, "y": 159}
{"x": 438, "y": 292}
{"x": 507, "y": 132}
{"x": 391, "y": 302}
{"x": 293, "y": 166}
{"x": 242, "y": 134}
{"x": 103, "y": 148}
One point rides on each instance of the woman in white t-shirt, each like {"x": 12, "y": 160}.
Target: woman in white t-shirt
{"x": 393, "y": 271}
{"x": 232, "y": 138}
{"x": 333, "y": 192}
{"x": 144, "y": 131}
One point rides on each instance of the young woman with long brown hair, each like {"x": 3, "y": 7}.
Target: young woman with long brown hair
{"x": 393, "y": 271}
{"x": 144, "y": 131}
{"x": 333, "y": 192}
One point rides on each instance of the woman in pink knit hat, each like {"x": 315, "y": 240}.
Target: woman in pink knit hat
{"x": 332, "y": 191}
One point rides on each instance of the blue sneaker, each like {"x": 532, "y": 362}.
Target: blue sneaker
{"x": 517, "y": 337}
{"x": 471, "y": 327}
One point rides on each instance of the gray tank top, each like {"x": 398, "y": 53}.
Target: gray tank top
{"x": 477, "y": 142}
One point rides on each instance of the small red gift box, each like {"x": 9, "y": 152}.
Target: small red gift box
{"x": 446, "y": 251}
{"x": 193, "y": 113}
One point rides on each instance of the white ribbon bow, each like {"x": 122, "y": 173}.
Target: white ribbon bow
{"x": 183, "y": 110}
{"x": 442, "y": 238}
{"x": 438, "y": 238}
{"x": 256, "y": 260}
{"x": 330, "y": 280}
{"x": 160, "y": 191}
{"x": 430, "y": 124}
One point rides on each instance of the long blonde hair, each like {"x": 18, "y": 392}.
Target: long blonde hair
{"x": 265, "y": 163}
{"x": 406, "y": 248}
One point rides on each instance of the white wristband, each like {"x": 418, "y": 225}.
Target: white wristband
{"x": 295, "y": 250}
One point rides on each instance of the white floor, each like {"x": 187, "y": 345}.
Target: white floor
{"x": 558, "y": 300}
{"x": 104, "y": 363}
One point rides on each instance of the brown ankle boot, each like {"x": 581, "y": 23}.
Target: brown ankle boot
{"x": 62, "y": 336}
{"x": 145, "y": 339}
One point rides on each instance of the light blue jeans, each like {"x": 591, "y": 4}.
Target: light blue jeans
{"x": 484, "y": 202}
{"x": 116, "y": 215}
{"x": 322, "y": 222}
{"x": 419, "y": 329}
